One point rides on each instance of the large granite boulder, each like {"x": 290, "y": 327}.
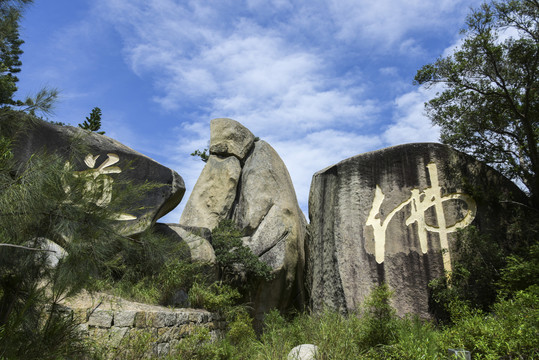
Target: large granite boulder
{"x": 391, "y": 216}
{"x": 107, "y": 160}
{"x": 214, "y": 193}
{"x": 273, "y": 224}
{"x": 246, "y": 180}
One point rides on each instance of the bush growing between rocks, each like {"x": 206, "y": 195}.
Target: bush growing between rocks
{"x": 215, "y": 297}
{"x": 238, "y": 266}
{"x": 150, "y": 272}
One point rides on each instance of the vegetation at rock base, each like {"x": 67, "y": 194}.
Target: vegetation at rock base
{"x": 237, "y": 264}
{"x": 375, "y": 332}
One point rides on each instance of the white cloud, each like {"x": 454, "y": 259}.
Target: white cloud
{"x": 387, "y": 22}
{"x": 285, "y": 69}
{"x": 410, "y": 122}
{"x": 316, "y": 151}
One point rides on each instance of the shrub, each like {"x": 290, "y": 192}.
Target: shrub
{"x": 215, "y": 297}
{"x": 237, "y": 264}
{"x": 521, "y": 272}
{"x": 379, "y": 320}
{"x": 509, "y": 331}
{"x": 149, "y": 270}
{"x": 198, "y": 346}
{"x": 240, "y": 327}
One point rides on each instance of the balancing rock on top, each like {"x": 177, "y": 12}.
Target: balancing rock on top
{"x": 245, "y": 180}
{"x": 229, "y": 137}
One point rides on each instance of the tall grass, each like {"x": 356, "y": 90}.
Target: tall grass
{"x": 375, "y": 332}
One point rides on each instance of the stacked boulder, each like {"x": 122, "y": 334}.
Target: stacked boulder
{"x": 392, "y": 216}
{"x": 245, "y": 180}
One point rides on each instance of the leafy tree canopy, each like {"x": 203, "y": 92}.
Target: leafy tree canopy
{"x": 234, "y": 259}
{"x": 489, "y": 105}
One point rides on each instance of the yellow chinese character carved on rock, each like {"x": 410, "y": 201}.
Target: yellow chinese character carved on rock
{"x": 99, "y": 181}
{"x": 420, "y": 203}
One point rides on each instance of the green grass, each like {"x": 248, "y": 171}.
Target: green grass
{"x": 509, "y": 332}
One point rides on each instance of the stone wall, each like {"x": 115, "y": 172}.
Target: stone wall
{"x": 115, "y": 323}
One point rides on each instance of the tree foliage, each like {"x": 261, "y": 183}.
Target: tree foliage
{"x": 52, "y": 241}
{"x": 93, "y": 122}
{"x": 36, "y": 211}
{"x": 236, "y": 261}
{"x": 204, "y": 156}
{"x": 10, "y": 50}
{"x": 489, "y": 105}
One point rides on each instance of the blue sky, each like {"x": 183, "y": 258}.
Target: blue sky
{"x": 319, "y": 80}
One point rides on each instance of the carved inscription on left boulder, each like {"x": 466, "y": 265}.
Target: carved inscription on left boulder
{"x": 103, "y": 161}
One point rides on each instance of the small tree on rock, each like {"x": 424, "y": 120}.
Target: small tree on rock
{"x": 93, "y": 122}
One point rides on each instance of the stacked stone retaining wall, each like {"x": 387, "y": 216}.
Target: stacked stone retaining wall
{"x": 158, "y": 329}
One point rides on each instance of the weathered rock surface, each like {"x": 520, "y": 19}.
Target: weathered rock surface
{"x": 214, "y": 193}
{"x": 109, "y": 320}
{"x": 198, "y": 246}
{"x": 107, "y": 160}
{"x": 229, "y": 137}
{"x": 391, "y": 216}
{"x": 257, "y": 193}
{"x": 268, "y": 213}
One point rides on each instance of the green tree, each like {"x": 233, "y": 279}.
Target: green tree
{"x": 10, "y": 43}
{"x": 237, "y": 263}
{"x": 489, "y": 105}
{"x": 36, "y": 209}
{"x": 36, "y": 212}
{"x": 93, "y": 122}
{"x": 10, "y": 64}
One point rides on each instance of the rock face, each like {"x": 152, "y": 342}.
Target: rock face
{"x": 108, "y": 160}
{"x": 198, "y": 245}
{"x": 214, "y": 193}
{"x": 391, "y": 216}
{"x": 268, "y": 212}
{"x": 229, "y": 137}
{"x": 246, "y": 180}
